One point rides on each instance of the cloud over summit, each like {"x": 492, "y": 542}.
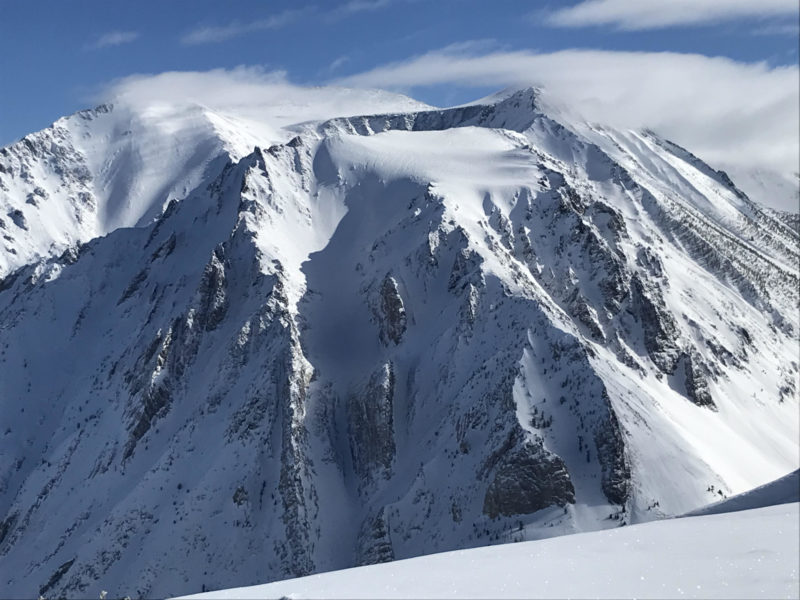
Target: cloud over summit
{"x": 742, "y": 117}
{"x": 730, "y": 113}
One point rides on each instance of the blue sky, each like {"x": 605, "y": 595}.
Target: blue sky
{"x": 58, "y": 55}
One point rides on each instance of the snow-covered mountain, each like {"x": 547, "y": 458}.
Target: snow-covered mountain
{"x": 238, "y": 349}
{"x": 119, "y": 166}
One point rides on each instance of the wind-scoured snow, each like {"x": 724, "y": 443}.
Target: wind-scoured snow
{"x": 232, "y": 353}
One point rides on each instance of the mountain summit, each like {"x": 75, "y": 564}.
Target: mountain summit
{"x": 239, "y": 348}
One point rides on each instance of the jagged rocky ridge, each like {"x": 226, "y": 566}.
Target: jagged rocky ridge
{"x": 386, "y": 336}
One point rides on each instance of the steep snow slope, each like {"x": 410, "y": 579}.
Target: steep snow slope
{"x": 750, "y": 554}
{"x": 781, "y": 491}
{"x": 387, "y": 336}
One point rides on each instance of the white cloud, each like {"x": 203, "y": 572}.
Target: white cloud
{"x": 212, "y": 34}
{"x": 214, "y": 88}
{"x": 264, "y": 99}
{"x": 651, "y": 14}
{"x": 734, "y": 115}
{"x": 114, "y": 38}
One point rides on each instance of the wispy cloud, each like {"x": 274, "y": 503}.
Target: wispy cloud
{"x": 353, "y": 7}
{"x": 779, "y": 29}
{"x": 654, "y": 14}
{"x": 213, "y": 34}
{"x": 356, "y": 6}
{"x": 730, "y": 113}
{"x": 266, "y": 100}
{"x": 337, "y": 63}
{"x": 113, "y": 38}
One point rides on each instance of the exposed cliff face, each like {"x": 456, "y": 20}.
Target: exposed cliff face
{"x": 391, "y": 312}
{"x": 527, "y": 479}
{"x": 371, "y": 426}
{"x": 389, "y": 335}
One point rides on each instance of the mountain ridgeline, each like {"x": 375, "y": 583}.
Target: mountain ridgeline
{"x": 371, "y": 338}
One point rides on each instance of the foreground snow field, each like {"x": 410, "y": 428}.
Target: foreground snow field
{"x": 745, "y": 554}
